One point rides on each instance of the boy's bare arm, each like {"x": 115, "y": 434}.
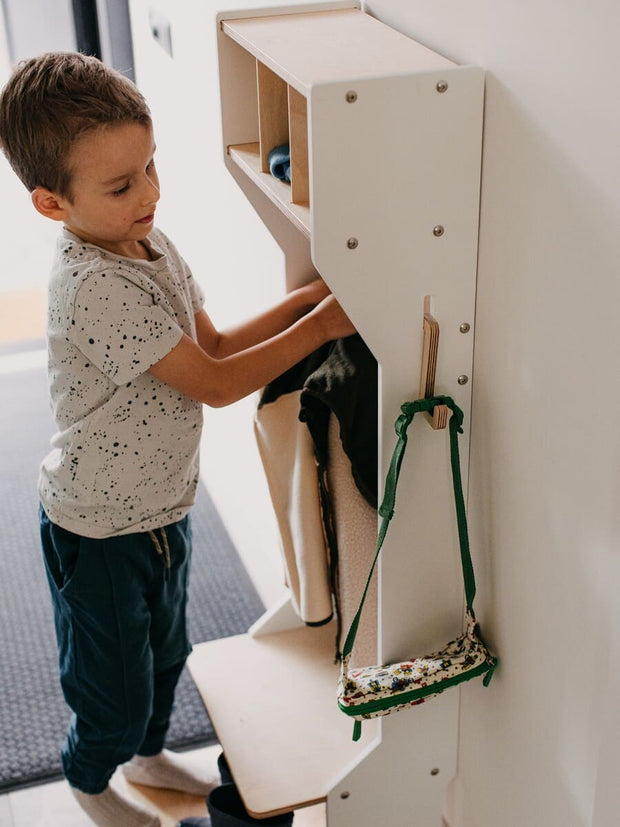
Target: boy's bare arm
{"x": 262, "y": 327}
{"x": 219, "y": 382}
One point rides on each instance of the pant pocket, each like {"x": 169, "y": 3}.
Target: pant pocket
{"x": 61, "y": 549}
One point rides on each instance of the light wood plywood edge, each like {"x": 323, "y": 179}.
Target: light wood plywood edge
{"x": 319, "y": 47}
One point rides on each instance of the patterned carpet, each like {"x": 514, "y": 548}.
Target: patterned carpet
{"x": 33, "y": 714}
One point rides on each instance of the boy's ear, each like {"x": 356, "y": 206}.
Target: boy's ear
{"x": 48, "y": 204}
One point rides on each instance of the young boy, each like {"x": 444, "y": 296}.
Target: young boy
{"x": 132, "y": 358}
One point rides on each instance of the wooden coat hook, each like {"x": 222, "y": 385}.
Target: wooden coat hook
{"x": 439, "y": 417}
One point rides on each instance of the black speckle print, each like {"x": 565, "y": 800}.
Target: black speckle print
{"x": 125, "y": 457}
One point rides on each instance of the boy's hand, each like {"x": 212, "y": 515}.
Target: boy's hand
{"x": 334, "y": 320}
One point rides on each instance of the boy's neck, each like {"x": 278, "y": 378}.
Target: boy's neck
{"x": 139, "y": 250}
{"x": 146, "y": 250}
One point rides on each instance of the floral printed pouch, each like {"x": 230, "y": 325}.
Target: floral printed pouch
{"x": 367, "y": 692}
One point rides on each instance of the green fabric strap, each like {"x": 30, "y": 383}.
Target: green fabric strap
{"x": 386, "y": 510}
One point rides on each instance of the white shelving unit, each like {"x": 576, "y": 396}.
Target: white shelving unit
{"x": 385, "y": 139}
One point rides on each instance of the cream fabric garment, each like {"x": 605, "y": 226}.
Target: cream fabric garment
{"x": 355, "y": 523}
{"x": 287, "y": 453}
{"x": 286, "y": 449}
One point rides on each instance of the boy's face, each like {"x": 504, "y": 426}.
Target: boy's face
{"x": 115, "y": 188}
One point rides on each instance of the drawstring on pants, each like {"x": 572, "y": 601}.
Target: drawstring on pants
{"x": 165, "y": 552}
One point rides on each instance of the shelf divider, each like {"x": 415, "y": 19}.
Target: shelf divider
{"x": 298, "y": 130}
{"x": 272, "y": 112}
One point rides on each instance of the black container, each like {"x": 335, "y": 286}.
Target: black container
{"x": 226, "y": 810}
{"x": 225, "y": 773}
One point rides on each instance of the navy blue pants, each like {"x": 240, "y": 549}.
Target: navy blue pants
{"x": 119, "y": 612}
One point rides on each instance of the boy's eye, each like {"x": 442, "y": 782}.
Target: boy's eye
{"x": 122, "y": 190}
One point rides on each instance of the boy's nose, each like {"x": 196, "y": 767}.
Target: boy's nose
{"x": 151, "y": 192}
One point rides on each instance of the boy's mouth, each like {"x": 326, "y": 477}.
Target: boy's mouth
{"x": 147, "y": 219}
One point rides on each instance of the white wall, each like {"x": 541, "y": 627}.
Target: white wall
{"x": 38, "y": 26}
{"x": 26, "y": 265}
{"x": 541, "y": 746}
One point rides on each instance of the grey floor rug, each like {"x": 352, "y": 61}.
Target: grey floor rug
{"x": 33, "y": 714}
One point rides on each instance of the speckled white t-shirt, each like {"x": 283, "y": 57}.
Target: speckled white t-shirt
{"x": 126, "y": 454}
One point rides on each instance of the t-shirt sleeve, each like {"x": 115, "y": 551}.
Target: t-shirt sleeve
{"x": 121, "y": 329}
{"x": 193, "y": 290}
{"x": 196, "y": 294}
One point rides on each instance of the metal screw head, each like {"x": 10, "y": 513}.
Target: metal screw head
{"x": 438, "y": 230}
{"x": 463, "y": 380}
{"x": 351, "y": 96}
{"x": 442, "y": 86}
{"x": 465, "y": 327}
{"x": 352, "y": 243}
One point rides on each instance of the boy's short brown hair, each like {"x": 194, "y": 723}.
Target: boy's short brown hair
{"x": 51, "y": 100}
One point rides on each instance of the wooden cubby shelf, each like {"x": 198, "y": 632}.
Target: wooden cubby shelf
{"x": 385, "y": 141}
{"x": 308, "y": 48}
{"x": 282, "y": 119}
{"x": 288, "y": 64}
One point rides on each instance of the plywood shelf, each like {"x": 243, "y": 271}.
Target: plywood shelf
{"x": 272, "y": 702}
{"x": 318, "y": 47}
{"x": 385, "y": 144}
{"x": 288, "y": 62}
{"x": 248, "y": 158}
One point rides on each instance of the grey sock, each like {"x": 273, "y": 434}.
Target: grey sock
{"x": 111, "y": 809}
{"x": 184, "y": 772}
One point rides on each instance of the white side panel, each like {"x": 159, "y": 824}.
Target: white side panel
{"x": 388, "y": 190}
{"x": 387, "y": 169}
